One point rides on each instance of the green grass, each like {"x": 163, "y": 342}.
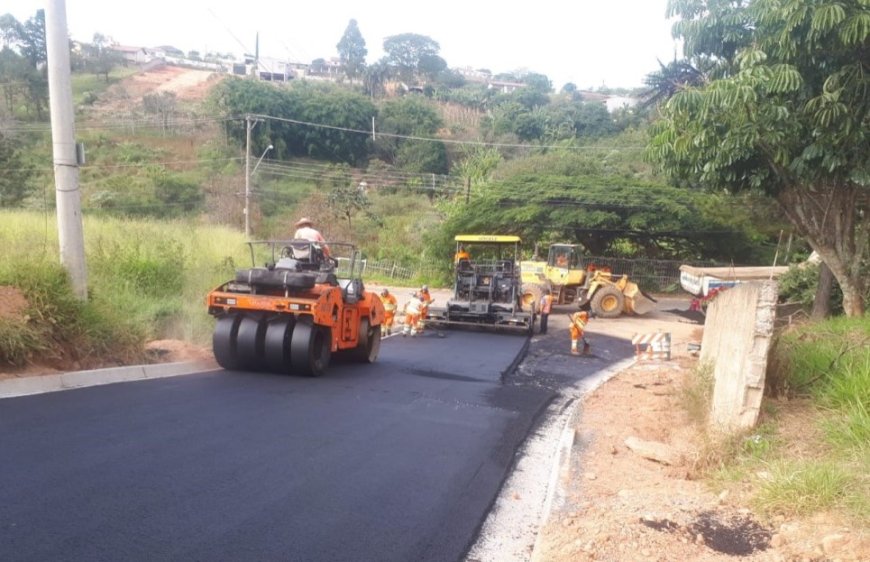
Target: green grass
{"x": 696, "y": 395}
{"x": 86, "y": 84}
{"x": 801, "y": 487}
{"x": 828, "y": 364}
{"x": 147, "y": 279}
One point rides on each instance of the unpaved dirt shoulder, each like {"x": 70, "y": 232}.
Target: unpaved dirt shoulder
{"x": 620, "y": 506}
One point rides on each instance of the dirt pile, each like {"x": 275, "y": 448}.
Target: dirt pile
{"x": 13, "y": 303}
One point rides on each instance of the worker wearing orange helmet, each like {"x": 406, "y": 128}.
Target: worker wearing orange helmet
{"x": 390, "y": 306}
{"x": 578, "y": 326}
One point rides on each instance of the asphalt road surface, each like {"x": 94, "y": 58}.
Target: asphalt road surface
{"x": 399, "y": 460}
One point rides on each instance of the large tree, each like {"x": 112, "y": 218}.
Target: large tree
{"x": 784, "y": 110}
{"x": 352, "y": 51}
{"x": 406, "y": 51}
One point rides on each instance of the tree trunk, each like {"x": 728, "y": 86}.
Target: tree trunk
{"x": 822, "y": 300}
{"x": 828, "y": 217}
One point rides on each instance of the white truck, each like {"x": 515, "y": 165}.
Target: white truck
{"x": 707, "y": 281}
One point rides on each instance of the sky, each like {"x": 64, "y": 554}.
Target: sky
{"x": 591, "y": 43}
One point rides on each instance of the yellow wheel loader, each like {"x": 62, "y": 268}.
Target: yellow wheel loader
{"x": 593, "y": 288}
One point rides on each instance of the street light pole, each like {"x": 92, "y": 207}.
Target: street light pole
{"x": 248, "y": 183}
{"x": 249, "y": 124}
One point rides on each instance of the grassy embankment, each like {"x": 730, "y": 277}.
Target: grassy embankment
{"x": 147, "y": 280}
{"x": 811, "y": 452}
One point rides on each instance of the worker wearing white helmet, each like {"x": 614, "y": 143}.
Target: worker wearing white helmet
{"x": 412, "y": 315}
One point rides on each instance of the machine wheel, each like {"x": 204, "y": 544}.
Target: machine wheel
{"x": 249, "y": 342}
{"x": 369, "y": 344}
{"x": 276, "y": 346}
{"x": 531, "y": 298}
{"x": 310, "y": 349}
{"x": 223, "y": 342}
{"x": 607, "y": 302}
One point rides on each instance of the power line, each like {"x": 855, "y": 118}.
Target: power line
{"x": 123, "y": 124}
{"x": 445, "y": 141}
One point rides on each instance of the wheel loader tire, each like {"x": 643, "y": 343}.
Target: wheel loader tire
{"x": 369, "y": 343}
{"x": 276, "y": 346}
{"x": 607, "y": 302}
{"x": 310, "y": 349}
{"x": 531, "y": 298}
{"x": 249, "y": 342}
{"x": 223, "y": 342}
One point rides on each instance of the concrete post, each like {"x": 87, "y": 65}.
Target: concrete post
{"x": 66, "y": 169}
{"x": 249, "y": 124}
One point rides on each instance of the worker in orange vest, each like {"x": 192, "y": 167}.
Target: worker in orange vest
{"x": 412, "y": 316}
{"x": 546, "y": 306}
{"x": 390, "y": 306}
{"x": 461, "y": 254}
{"x": 578, "y": 326}
{"x": 425, "y": 300}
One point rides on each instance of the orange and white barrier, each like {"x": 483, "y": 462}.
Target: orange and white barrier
{"x": 652, "y": 346}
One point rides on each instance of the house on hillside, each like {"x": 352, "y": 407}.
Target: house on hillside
{"x": 324, "y": 67}
{"x": 167, "y": 51}
{"x": 620, "y": 102}
{"x": 505, "y": 87}
{"x": 274, "y": 70}
{"x": 138, "y": 55}
{"x": 475, "y": 75}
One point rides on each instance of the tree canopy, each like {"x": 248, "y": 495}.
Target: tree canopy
{"x": 783, "y": 108}
{"x": 574, "y": 197}
{"x": 352, "y": 51}
{"x": 410, "y": 54}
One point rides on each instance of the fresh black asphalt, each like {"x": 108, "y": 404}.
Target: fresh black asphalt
{"x": 399, "y": 460}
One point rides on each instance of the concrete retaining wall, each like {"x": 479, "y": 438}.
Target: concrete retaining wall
{"x": 737, "y": 338}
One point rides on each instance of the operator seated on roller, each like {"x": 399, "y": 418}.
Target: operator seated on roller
{"x": 317, "y": 252}
{"x": 305, "y": 231}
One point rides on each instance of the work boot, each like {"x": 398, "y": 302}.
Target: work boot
{"x": 586, "y": 348}
{"x": 575, "y": 352}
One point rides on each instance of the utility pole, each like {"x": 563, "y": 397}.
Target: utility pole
{"x": 66, "y": 166}
{"x": 249, "y": 125}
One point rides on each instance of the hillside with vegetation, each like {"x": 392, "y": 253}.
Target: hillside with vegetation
{"x": 751, "y": 148}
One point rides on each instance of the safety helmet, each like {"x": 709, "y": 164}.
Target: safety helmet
{"x": 304, "y": 221}
{"x": 424, "y": 288}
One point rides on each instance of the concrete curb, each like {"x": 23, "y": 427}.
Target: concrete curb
{"x": 562, "y": 459}
{"x": 25, "y": 386}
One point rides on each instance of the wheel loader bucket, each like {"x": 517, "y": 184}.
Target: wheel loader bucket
{"x": 636, "y": 301}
